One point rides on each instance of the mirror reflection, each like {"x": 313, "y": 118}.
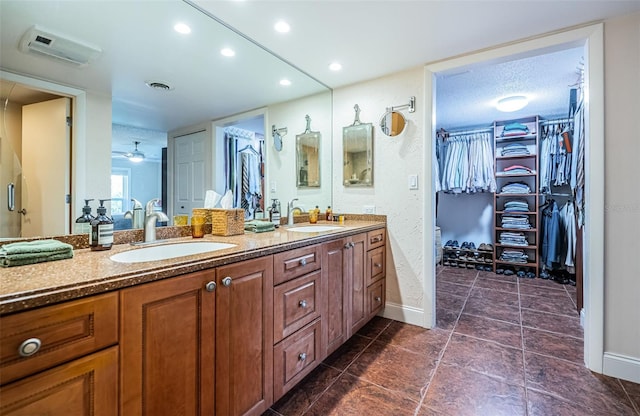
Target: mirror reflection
{"x": 392, "y": 123}
{"x": 308, "y": 157}
{"x": 357, "y": 143}
{"x": 114, "y": 106}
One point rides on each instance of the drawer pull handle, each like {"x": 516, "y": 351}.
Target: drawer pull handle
{"x": 211, "y": 286}
{"x": 378, "y": 265}
{"x": 303, "y": 262}
{"x": 378, "y": 299}
{"x": 29, "y": 347}
{"x": 302, "y": 303}
{"x": 302, "y": 356}
{"x": 226, "y": 282}
{"x": 376, "y": 239}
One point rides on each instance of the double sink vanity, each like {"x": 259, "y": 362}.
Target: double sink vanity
{"x": 222, "y": 325}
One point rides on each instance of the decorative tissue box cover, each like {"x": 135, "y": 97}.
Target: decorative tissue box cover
{"x": 227, "y": 221}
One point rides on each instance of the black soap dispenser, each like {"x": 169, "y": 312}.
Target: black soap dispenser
{"x": 101, "y": 230}
{"x": 83, "y": 222}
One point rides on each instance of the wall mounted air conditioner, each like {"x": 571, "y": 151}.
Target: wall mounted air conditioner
{"x": 40, "y": 41}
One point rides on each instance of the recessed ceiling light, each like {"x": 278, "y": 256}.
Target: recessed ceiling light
{"x": 512, "y": 103}
{"x": 285, "y": 82}
{"x": 158, "y": 86}
{"x": 227, "y": 52}
{"x": 335, "y": 66}
{"x": 282, "y": 26}
{"x": 182, "y": 28}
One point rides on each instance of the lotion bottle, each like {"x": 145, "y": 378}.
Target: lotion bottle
{"x": 101, "y": 229}
{"x": 83, "y": 223}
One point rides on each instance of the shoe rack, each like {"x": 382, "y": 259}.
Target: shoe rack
{"x": 468, "y": 258}
{"x": 529, "y": 139}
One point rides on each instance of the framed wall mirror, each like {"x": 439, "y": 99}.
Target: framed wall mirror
{"x": 308, "y": 157}
{"x": 392, "y": 123}
{"x": 357, "y": 143}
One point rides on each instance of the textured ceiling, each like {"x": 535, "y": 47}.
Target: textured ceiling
{"x": 466, "y": 97}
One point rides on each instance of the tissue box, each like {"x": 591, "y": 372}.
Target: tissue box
{"x": 227, "y": 221}
{"x": 206, "y": 213}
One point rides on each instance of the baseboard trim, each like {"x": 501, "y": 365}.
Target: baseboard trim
{"x": 620, "y": 366}
{"x": 402, "y": 313}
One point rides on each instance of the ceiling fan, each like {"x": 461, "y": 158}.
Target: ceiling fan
{"x": 136, "y": 156}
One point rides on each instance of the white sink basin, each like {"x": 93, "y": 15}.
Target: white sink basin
{"x": 314, "y": 228}
{"x": 168, "y": 251}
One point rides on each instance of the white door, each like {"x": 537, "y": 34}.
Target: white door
{"x": 192, "y": 172}
{"x": 46, "y": 149}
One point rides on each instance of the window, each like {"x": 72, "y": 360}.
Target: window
{"x": 120, "y": 184}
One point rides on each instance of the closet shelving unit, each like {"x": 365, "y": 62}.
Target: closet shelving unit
{"x": 530, "y": 140}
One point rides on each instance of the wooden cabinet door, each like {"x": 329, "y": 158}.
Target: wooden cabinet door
{"x": 355, "y": 270}
{"x": 244, "y": 337}
{"x": 167, "y": 347}
{"x": 87, "y": 386}
{"x": 334, "y": 293}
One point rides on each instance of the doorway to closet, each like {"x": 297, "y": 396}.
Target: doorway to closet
{"x": 480, "y": 213}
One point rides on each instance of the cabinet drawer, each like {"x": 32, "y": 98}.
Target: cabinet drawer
{"x": 375, "y": 297}
{"x": 296, "y": 303}
{"x": 64, "y": 332}
{"x": 376, "y": 238}
{"x": 86, "y": 386}
{"x": 295, "y": 263}
{"x": 295, "y": 357}
{"x": 376, "y": 269}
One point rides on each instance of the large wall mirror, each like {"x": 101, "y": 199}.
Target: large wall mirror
{"x": 148, "y": 81}
{"x": 357, "y": 144}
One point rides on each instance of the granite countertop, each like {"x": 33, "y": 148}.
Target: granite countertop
{"x": 93, "y": 272}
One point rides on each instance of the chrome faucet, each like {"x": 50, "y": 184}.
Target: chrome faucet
{"x": 150, "y": 219}
{"x": 290, "y": 211}
{"x": 136, "y": 215}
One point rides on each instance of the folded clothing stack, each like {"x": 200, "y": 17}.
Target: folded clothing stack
{"x": 513, "y": 239}
{"x": 514, "y": 129}
{"x": 258, "y": 226}
{"x": 516, "y": 205}
{"x": 518, "y": 222}
{"x": 22, "y": 253}
{"x": 513, "y": 255}
{"x": 515, "y": 188}
{"x": 515, "y": 149}
{"x": 517, "y": 170}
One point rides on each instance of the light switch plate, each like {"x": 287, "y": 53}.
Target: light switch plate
{"x": 369, "y": 209}
{"x": 273, "y": 186}
{"x": 413, "y": 181}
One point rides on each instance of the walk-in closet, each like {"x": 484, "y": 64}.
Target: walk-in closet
{"x": 510, "y": 181}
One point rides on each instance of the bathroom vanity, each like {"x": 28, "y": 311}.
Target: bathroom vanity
{"x": 226, "y": 333}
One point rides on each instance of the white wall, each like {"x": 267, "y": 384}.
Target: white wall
{"x": 394, "y": 158}
{"x": 622, "y": 192}
{"x": 281, "y": 166}
{"x": 466, "y": 217}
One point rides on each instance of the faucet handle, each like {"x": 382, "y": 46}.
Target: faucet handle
{"x": 150, "y": 204}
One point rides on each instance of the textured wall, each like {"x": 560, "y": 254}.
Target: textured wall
{"x": 622, "y": 196}
{"x": 394, "y": 158}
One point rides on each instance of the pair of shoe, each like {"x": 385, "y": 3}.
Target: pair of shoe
{"x": 485, "y": 247}
{"x": 468, "y": 245}
{"x": 451, "y": 244}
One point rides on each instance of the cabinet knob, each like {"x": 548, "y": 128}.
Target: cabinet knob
{"x": 378, "y": 265}
{"x": 29, "y": 347}
{"x": 302, "y": 356}
{"x": 350, "y": 245}
{"x": 303, "y": 262}
{"x": 302, "y": 303}
{"x": 226, "y": 282}
{"x": 211, "y": 286}
{"x": 378, "y": 298}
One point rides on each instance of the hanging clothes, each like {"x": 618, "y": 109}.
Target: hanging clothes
{"x": 577, "y": 163}
{"x": 467, "y": 164}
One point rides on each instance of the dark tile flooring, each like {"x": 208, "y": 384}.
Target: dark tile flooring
{"x": 502, "y": 346}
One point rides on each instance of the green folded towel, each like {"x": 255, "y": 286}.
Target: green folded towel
{"x": 257, "y": 226}
{"x": 22, "y": 253}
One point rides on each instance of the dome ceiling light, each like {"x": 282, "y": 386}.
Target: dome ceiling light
{"x": 512, "y": 103}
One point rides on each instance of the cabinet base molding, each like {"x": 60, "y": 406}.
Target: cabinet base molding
{"x": 621, "y": 366}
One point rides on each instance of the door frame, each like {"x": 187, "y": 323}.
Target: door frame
{"x": 591, "y": 37}
{"x": 78, "y": 97}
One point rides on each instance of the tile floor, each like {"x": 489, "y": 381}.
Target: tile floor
{"x": 503, "y": 346}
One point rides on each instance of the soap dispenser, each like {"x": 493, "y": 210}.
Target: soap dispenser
{"x": 101, "y": 229}
{"x": 83, "y": 222}
{"x": 275, "y": 212}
